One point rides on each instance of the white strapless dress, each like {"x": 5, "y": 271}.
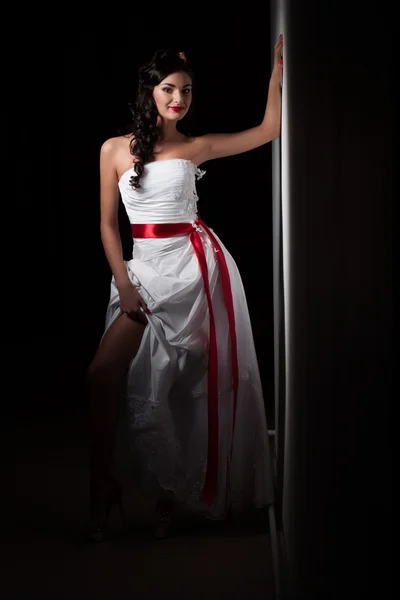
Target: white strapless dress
{"x": 165, "y": 409}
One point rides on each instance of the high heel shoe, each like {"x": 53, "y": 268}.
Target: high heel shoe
{"x": 96, "y": 530}
{"x": 163, "y": 522}
{"x": 162, "y": 525}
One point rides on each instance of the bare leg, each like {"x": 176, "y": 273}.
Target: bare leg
{"x": 105, "y": 375}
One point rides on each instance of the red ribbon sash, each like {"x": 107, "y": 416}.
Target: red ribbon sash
{"x": 162, "y": 230}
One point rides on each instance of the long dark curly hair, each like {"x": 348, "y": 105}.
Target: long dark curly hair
{"x": 144, "y": 127}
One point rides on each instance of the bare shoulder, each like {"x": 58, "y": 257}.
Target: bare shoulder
{"x": 115, "y": 144}
{"x": 115, "y": 155}
{"x": 200, "y": 148}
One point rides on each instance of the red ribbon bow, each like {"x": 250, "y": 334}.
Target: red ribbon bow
{"x": 160, "y": 230}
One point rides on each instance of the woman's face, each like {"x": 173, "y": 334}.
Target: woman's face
{"x": 173, "y": 96}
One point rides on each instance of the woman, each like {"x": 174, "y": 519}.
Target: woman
{"x": 178, "y": 337}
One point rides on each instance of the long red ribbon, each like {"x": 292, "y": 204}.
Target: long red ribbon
{"x": 161, "y": 230}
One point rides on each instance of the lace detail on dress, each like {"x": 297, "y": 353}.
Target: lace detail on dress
{"x": 154, "y": 442}
{"x": 188, "y": 194}
{"x": 199, "y": 173}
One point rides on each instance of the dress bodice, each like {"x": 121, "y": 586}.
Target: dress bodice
{"x": 167, "y": 193}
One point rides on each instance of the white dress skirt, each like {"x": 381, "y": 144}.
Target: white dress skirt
{"x": 165, "y": 409}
